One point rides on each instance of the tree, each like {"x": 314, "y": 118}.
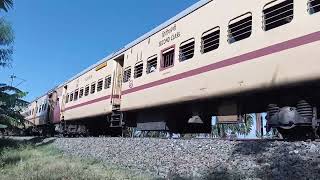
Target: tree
{"x": 6, "y": 5}
{"x": 6, "y": 35}
{"x": 11, "y": 105}
{"x": 6, "y": 41}
{"x": 221, "y": 130}
{"x": 10, "y": 97}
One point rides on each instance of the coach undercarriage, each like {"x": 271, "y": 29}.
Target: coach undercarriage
{"x": 292, "y": 110}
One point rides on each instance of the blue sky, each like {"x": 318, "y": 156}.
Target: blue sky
{"x": 55, "y": 40}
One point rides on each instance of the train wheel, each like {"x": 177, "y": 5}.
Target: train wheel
{"x": 296, "y": 133}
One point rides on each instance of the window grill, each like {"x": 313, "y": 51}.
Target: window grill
{"x": 313, "y": 6}
{"x": 71, "y": 97}
{"x": 100, "y": 85}
{"x": 240, "y": 28}
{"x": 167, "y": 58}
{"x": 86, "y": 91}
{"x": 76, "y": 93}
{"x": 138, "y": 70}
{"x": 210, "y": 40}
{"x": 93, "y": 88}
{"x": 127, "y": 74}
{"x": 107, "y": 82}
{"x": 186, "y": 50}
{"x": 152, "y": 63}
{"x": 81, "y": 93}
{"x": 277, "y": 13}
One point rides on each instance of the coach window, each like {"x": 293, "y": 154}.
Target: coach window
{"x": 76, "y": 94}
{"x": 86, "y": 91}
{"x": 100, "y": 85}
{"x": 277, "y": 13}
{"x": 186, "y": 50}
{"x": 210, "y": 40}
{"x": 313, "y": 6}
{"x": 93, "y": 88}
{"x": 138, "y": 70}
{"x": 81, "y": 93}
{"x": 67, "y": 98}
{"x": 127, "y": 74}
{"x": 107, "y": 82}
{"x": 240, "y": 28}
{"x": 71, "y": 97}
{"x": 167, "y": 57}
{"x": 152, "y": 63}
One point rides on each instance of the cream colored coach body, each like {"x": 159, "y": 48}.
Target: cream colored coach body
{"x": 175, "y": 84}
{"x": 292, "y": 65}
{"x": 37, "y": 111}
{"x": 98, "y": 103}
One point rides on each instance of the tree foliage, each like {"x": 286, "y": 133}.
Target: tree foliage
{"x": 10, "y": 105}
{"x": 6, "y": 42}
{"x": 6, "y": 35}
{"x": 6, "y": 5}
{"x": 221, "y": 130}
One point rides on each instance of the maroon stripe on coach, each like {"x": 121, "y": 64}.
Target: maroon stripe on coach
{"x": 88, "y": 102}
{"x": 313, "y": 37}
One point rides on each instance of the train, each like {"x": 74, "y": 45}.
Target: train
{"x": 216, "y": 58}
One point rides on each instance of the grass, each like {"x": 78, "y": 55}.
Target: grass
{"x": 27, "y": 161}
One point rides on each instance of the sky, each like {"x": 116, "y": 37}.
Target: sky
{"x": 55, "y": 40}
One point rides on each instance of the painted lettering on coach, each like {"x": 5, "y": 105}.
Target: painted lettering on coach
{"x": 169, "y": 34}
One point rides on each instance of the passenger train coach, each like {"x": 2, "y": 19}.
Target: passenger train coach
{"x": 217, "y": 58}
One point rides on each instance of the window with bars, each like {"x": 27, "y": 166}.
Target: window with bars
{"x": 186, "y": 50}
{"x": 86, "y": 90}
{"x": 107, "y": 83}
{"x": 100, "y": 85}
{"x": 71, "y": 97}
{"x": 93, "y": 88}
{"x": 167, "y": 59}
{"x": 138, "y": 70}
{"x": 210, "y": 40}
{"x": 313, "y": 6}
{"x": 240, "y": 28}
{"x": 76, "y": 93}
{"x": 67, "y": 98}
{"x": 81, "y": 93}
{"x": 127, "y": 74}
{"x": 277, "y": 13}
{"x": 152, "y": 63}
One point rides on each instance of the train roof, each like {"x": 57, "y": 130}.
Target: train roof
{"x": 143, "y": 37}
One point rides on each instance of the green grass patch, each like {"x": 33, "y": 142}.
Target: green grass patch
{"x": 23, "y": 160}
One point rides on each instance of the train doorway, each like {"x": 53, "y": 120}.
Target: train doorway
{"x": 117, "y": 82}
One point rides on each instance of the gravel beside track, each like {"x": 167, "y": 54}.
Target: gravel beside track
{"x": 202, "y": 158}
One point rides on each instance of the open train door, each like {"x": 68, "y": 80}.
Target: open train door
{"x": 117, "y": 82}
{"x": 116, "y": 116}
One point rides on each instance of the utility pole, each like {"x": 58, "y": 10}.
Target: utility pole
{"x": 13, "y": 77}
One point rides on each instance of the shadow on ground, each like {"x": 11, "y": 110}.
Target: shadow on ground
{"x": 269, "y": 161}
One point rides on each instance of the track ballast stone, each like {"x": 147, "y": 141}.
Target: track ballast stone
{"x": 202, "y": 158}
